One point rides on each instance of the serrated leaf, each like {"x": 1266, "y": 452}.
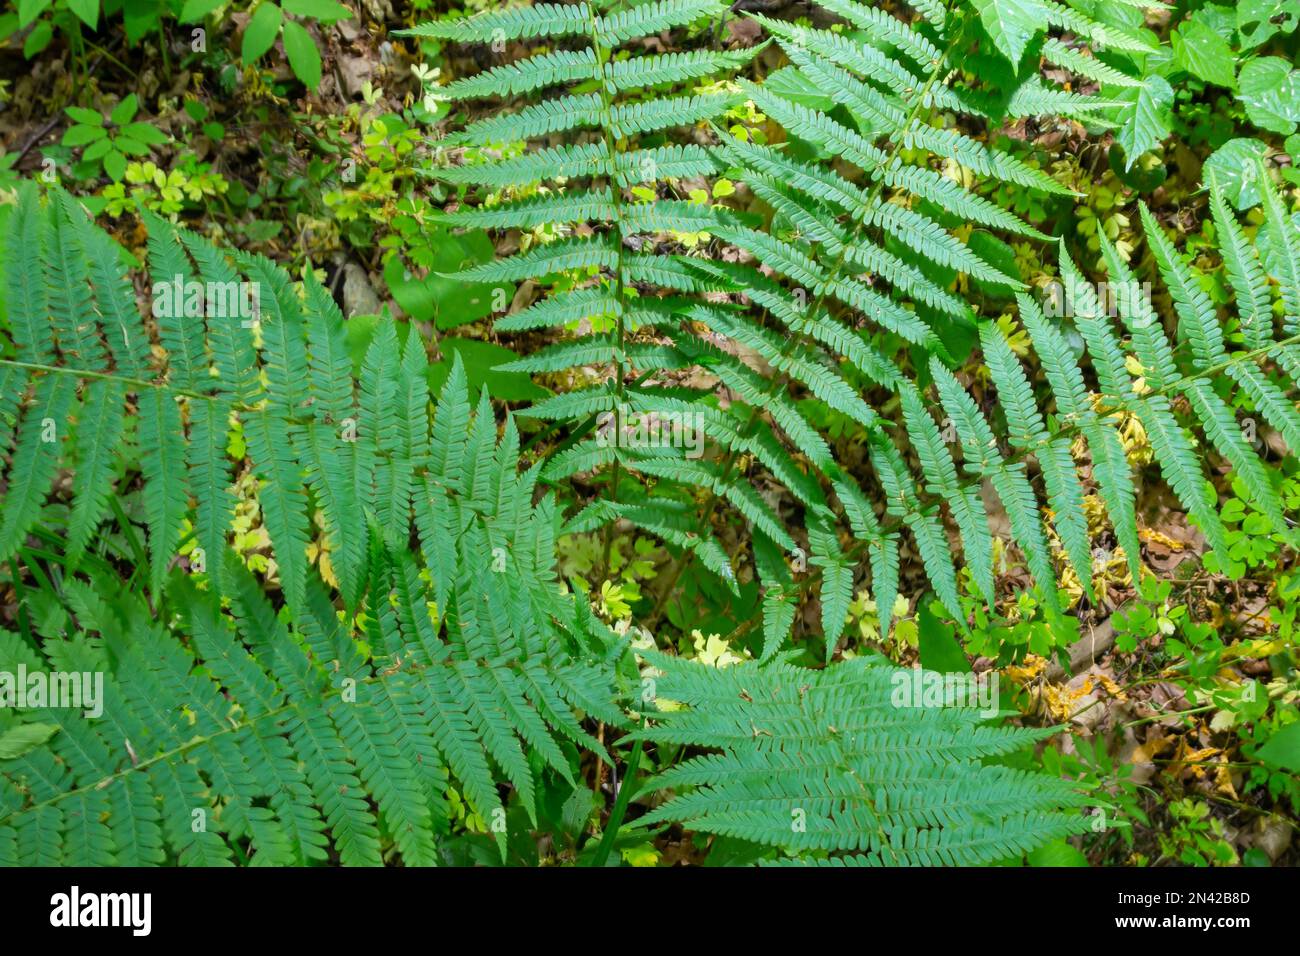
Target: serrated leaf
{"x": 1010, "y": 24}
{"x": 1144, "y": 120}
{"x": 1203, "y": 53}
{"x": 1270, "y": 89}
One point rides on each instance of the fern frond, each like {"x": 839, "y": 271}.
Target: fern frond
{"x": 839, "y": 762}
{"x": 285, "y": 753}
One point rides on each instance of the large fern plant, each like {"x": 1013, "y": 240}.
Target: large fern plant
{"x": 319, "y": 721}
{"x": 844, "y": 298}
{"x": 294, "y": 711}
{"x": 846, "y": 282}
{"x": 401, "y": 646}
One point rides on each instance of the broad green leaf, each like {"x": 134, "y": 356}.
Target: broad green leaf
{"x": 1258, "y": 20}
{"x": 259, "y": 35}
{"x": 195, "y": 10}
{"x": 85, "y": 116}
{"x": 22, "y": 738}
{"x": 480, "y": 360}
{"x": 303, "y": 56}
{"x": 1235, "y": 165}
{"x": 448, "y": 302}
{"x": 130, "y": 145}
{"x": 97, "y": 149}
{"x": 38, "y": 39}
{"x": 115, "y": 164}
{"x": 124, "y": 111}
{"x": 790, "y": 84}
{"x": 81, "y": 135}
{"x": 29, "y": 10}
{"x": 1057, "y": 853}
{"x": 1282, "y": 750}
{"x": 144, "y": 133}
{"x": 1270, "y": 89}
{"x": 1010, "y": 24}
{"x": 87, "y": 11}
{"x": 326, "y": 11}
{"x": 1203, "y": 53}
{"x": 140, "y": 18}
{"x": 939, "y": 648}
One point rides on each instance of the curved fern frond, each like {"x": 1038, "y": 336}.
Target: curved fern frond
{"x": 286, "y": 751}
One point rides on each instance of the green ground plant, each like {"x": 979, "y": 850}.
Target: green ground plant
{"x": 723, "y": 379}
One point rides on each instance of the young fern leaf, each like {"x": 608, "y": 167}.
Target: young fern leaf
{"x": 537, "y": 20}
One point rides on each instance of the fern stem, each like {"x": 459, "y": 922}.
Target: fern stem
{"x": 616, "y": 200}
{"x": 619, "y": 810}
{"x": 130, "y": 380}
